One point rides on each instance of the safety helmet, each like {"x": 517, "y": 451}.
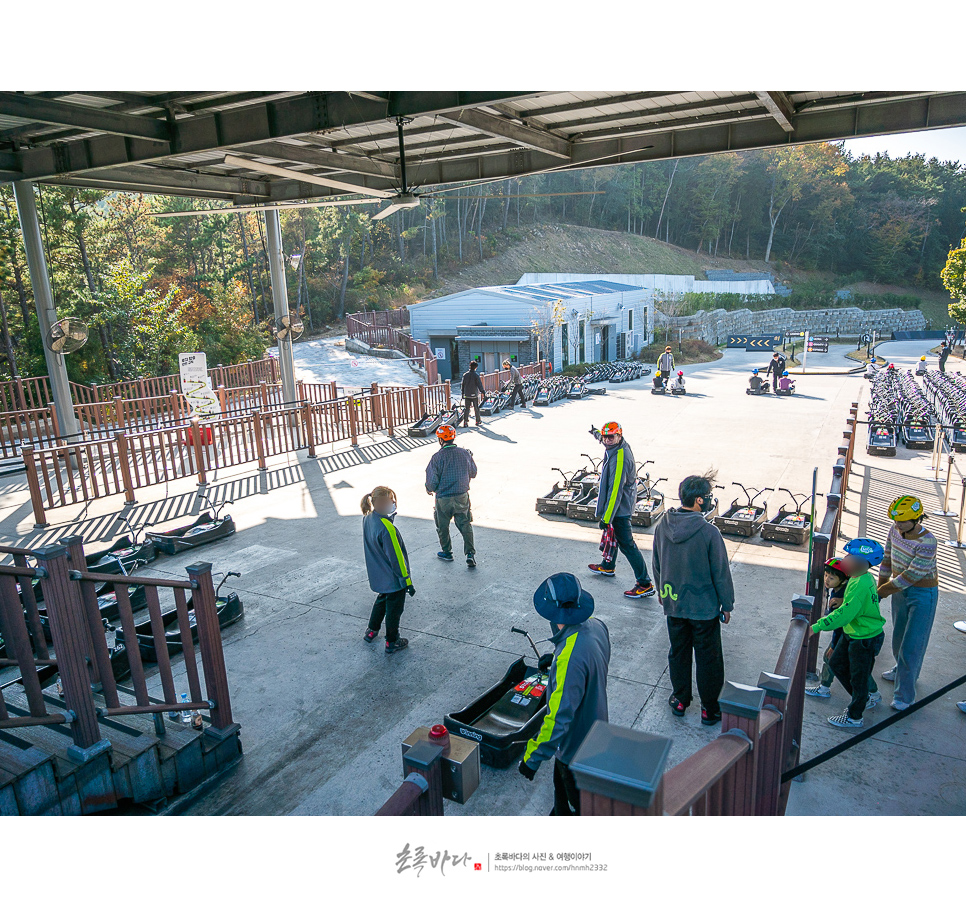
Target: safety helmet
{"x": 868, "y": 550}
{"x": 754, "y": 371}
{"x": 446, "y": 433}
{"x": 667, "y": 349}
{"x": 906, "y": 508}
{"x": 835, "y": 565}
{"x": 506, "y": 362}
{"x": 657, "y": 374}
{"x": 784, "y": 374}
{"x": 680, "y": 373}
{"x": 922, "y": 358}
{"x": 611, "y": 429}
{"x": 892, "y": 365}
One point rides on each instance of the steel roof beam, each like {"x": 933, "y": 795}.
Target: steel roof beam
{"x": 625, "y": 99}
{"x": 64, "y": 114}
{"x": 651, "y": 113}
{"x": 505, "y": 129}
{"x": 169, "y": 180}
{"x": 272, "y": 120}
{"x": 779, "y": 107}
{"x": 312, "y": 155}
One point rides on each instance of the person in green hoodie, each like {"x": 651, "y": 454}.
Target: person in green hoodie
{"x": 862, "y": 626}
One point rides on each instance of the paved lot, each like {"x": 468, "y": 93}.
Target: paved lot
{"x": 323, "y": 714}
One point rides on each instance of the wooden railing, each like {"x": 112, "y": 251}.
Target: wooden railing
{"x": 123, "y": 462}
{"x": 396, "y": 317}
{"x": 421, "y": 794}
{"x": 384, "y": 332}
{"x": 80, "y": 647}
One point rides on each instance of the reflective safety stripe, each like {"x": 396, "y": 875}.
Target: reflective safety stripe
{"x": 400, "y": 557}
{"x": 550, "y": 719}
{"x": 618, "y": 482}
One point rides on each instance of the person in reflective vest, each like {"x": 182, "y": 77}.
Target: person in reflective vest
{"x": 387, "y": 564}
{"x": 578, "y": 684}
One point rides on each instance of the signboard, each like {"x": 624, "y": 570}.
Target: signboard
{"x": 196, "y": 385}
{"x": 823, "y": 340}
{"x": 597, "y": 339}
{"x": 440, "y": 353}
{"x": 817, "y": 348}
{"x": 752, "y": 343}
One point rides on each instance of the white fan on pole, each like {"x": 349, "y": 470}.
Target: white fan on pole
{"x": 289, "y": 327}
{"x": 67, "y": 336}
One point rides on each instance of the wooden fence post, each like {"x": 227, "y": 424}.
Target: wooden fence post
{"x": 422, "y": 400}
{"x": 620, "y": 772}
{"x": 300, "y": 390}
{"x": 376, "y": 405}
{"x": 33, "y": 484}
{"x": 263, "y": 394}
{"x": 119, "y": 418}
{"x": 209, "y": 643}
{"x": 175, "y": 406}
{"x": 740, "y": 712}
{"x": 124, "y": 459}
{"x": 309, "y": 431}
{"x": 353, "y": 424}
{"x": 251, "y": 374}
{"x": 425, "y": 759}
{"x": 259, "y": 435}
{"x": 52, "y": 411}
{"x": 449, "y": 394}
{"x": 771, "y": 756}
{"x": 200, "y": 453}
{"x": 386, "y": 398}
{"x": 70, "y": 639}
{"x": 222, "y": 399}
{"x": 21, "y": 399}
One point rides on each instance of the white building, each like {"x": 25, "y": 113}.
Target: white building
{"x": 596, "y": 320}
{"x": 657, "y": 282}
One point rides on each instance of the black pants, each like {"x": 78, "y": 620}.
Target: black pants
{"x": 852, "y": 662}
{"x": 626, "y": 544}
{"x": 942, "y": 366}
{"x": 388, "y": 606}
{"x": 776, "y": 375}
{"x": 702, "y": 640}
{"x": 467, "y": 403}
{"x": 566, "y": 797}
{"x": 517, "y": 389}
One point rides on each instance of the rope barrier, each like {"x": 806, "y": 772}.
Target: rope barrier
{"x": 871, "y": 732}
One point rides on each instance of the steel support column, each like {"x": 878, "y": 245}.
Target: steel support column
{"x": 44, "y": 302}
{"x": 276, "y": 266}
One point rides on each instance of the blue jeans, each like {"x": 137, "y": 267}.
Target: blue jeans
{"x": 913, "y": 612}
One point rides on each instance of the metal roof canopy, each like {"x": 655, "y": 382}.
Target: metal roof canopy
{"x": 176, "y": 142}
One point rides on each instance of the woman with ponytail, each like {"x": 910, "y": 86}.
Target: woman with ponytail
{"x": 387, "y": 563}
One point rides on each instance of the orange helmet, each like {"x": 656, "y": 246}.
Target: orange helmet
{"x": 611, "y": 429}
{"x": 446, "y": 433}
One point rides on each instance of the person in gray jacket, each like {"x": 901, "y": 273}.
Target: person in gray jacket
{"x": 577, "y": 692}
{"x": 615, "y": 504}
{"x": 517, "y": 381}
{"x": 387, "y": 564}
{"x": 694, "y": 577}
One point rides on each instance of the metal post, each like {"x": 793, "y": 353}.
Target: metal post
{"x": 286, "y": 359}
{"x": 949, "y": 485}
{"x": 804, "y": 348}
{"x": 44, "y": 301}
{"x": 958, "y": 542}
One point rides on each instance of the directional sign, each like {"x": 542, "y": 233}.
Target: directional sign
{"x": 751, "y": 343}
{"x": 818, "y": 347}
{"x": 799, "y": 333}
{"x": 823, "y": 340}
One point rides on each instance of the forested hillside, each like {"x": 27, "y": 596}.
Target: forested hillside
{"x": 150, "y": 287}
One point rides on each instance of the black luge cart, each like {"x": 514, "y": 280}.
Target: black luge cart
{"x": 650, "y": 505}
{"x": 883, "y": 439}
{"x": 743, "y": 519}
{"x": 918, "y": 435}
{"x": 556, "y": 501}
{"x": 206, "y": 528}
{"x": 790, "y": 525}
{"x": 583, "y": 507}
{"x": 507, "y": 715}
{"x": 426, "y": 426}
{"x": 126, "y": 549}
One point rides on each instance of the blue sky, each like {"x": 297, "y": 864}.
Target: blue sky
{"x": 948, "y": 143}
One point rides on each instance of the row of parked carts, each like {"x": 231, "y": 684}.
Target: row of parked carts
{"x": 540, "y": 391}
{"x": 948, "y": 396}
{"x": 899, "y": 412}
{"x": 575, "y": 495}
{"x": 130, "y": 553}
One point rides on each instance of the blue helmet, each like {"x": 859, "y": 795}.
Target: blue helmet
{"x": 754, "y": 371}
{"x": 784, "y": 374}
{"x": 868, "y": 550}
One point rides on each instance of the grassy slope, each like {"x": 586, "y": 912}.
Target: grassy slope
{"x": 575, "y": 249}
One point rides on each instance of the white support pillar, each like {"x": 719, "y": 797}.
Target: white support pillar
{"x": 286, "y": 359}
{"x": 44, "y": 303}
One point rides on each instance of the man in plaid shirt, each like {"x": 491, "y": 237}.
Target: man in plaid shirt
{"x": 448, "y": 476}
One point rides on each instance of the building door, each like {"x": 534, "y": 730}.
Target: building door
{"x": 443, "y": 348}
{"x": 605, "y": 353}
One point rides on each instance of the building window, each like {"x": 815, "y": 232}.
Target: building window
{"x": 565, "y": 343}
{"x": 583, "y": 339}
{"x": 630, "y": 320}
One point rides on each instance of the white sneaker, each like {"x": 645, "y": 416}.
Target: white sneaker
{"x": 899, "y": 705}
{"x": 874, "y": 699}
{"x": 961, "y": 625}
{"x": 843, "y": 721}
{"x": 961, "y": 706}
{"x": 818, "y": 692}
{"x": 889, "y": 675}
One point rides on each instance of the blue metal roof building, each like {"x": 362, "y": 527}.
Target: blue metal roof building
{"x": 586, "y": 321}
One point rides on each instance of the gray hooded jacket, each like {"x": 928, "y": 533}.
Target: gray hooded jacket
{"x": 577, "y": 692}
{"x": 691, "y": 567}
{"x": 618, "y": 483}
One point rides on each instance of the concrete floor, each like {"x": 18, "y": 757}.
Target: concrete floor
{"x": 323, "y": 714}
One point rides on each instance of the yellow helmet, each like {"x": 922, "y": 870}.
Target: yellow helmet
{"x": 657, "y": 374}
{"x": 922, "y": 358}
{"x": 906, "y": 508}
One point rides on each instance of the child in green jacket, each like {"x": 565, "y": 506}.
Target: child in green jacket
{"x": 862, "y": 629}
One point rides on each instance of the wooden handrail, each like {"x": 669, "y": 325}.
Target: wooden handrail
{"x": 693, "y": 777}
